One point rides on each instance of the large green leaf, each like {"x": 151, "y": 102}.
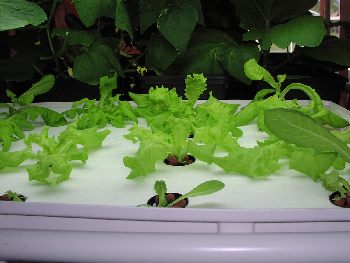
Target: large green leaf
{"x": 258, "y": 16}
{"x": 297, "y": 128}
{"x": 197, "y": 4}
{"x": 149, "y": 10}
{"x": 234, "y": 58}
{"x": 19, "y": 13}
{"x": 76, "y": 37}
{"x": 160, "y": 53}
{"x": 99, "y": 60}
{"x": 90, "y": 10}
{"x": 304, "y": 31}
{"x": 122, "y": 19}
{"x": 333, "y": 50}
{"x": 176, "y": 23}
{"x": 204, "y": 49}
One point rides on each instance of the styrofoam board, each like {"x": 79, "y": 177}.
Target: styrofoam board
{"x": 287, "y": 189}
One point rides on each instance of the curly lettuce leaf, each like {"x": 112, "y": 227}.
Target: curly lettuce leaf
{"x": 145, "y": 158}
{"x": 310, "y": 162}
{"x": 92, "y": 114}
{"x": 107, "y": 85}
{"x": 252, "y": 162}
{"x": 51, "y": 168}
{"x": 50, "y": 117}
{"x": 159, "y": 100}
{"x": 157, "y": 145}
{"x": 90, "y": 138}
{"x": 195, "y": 86}
{"x": 9, "y": 132}
{"x": 108, "y": 110}
{"x": 14, "y": 159}
{"x": 54, "y": 160}
{"x": 214, "y": 111}
{"x": 180, "y": 130}
{"x": 219, "y": 135}
{"x": 334, "y": 182}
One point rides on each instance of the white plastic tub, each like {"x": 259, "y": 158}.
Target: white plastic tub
{"x": 93, "y": 217}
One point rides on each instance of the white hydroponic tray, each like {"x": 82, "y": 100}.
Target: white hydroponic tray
{"x": 98, "y": 205}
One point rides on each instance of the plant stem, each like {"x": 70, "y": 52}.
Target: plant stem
{"x": 48, "y": 33}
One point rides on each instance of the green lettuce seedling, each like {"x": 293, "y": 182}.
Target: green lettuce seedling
{"x": 14, "y": 159}
{"x": 15, "y": 197}
{"x": 108, "y": 110}
{"x": 276, "y": 99}
{"x": 206, "y": 188}
{"x": 162, "y": 103}
{"x": 54, "y": 160}
{"x": 156, "y": 146}
{"x": 318, "y": 149}
{"x": 335, "y": 183}
{"x": 20, "y": 114}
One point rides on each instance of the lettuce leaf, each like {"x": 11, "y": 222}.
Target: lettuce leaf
{"x": 146, "y": 157}
{"x": 157, "y": 145}
{"x": 42, "y": 86}
{"x": 14, "y": 159}
{"x": 310, "y": 162}
{"x": 9, "y": 132}
{"x": 252, "y": 162}
{"x": 195, "y": 86}
{"x": 334, "y": 182}
{"x": 54, "y": 160}
{"x": 108, "y": 110}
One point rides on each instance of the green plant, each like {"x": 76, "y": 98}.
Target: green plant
{"x": 172, "y": 120}
{"x": 228, "y": 33}
{"x": 303, "y": 137}
{"x": 87, "y": 49}
{"x": 205, "y": 188}
{"x": 108, "y": 110}
{"x": 216, "y": 37}
{"x": 301, "y": 130}
{"x": 13, "y": 196}
{"x": 20, "y": 114}
{"x": 54, "y": 159}
{"x": 276, "y": 98}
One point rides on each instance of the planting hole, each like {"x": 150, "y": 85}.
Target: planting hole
{"x": 170, "y": 197}
{"x": 174, "y": 161}
{"x": 335, "y": 199}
